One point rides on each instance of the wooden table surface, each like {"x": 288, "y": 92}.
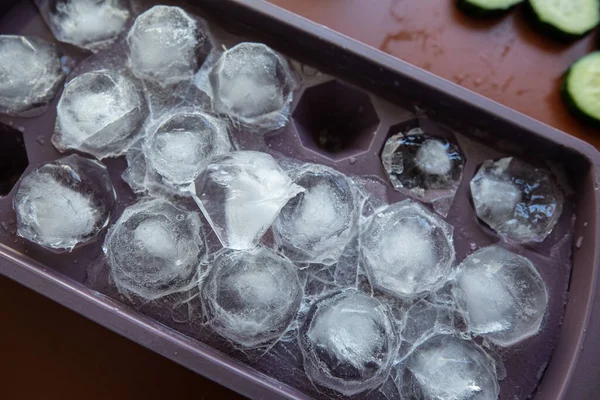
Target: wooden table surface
{"x": 49, "y": 352}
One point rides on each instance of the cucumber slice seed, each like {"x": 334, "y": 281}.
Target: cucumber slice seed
{"x": 491, "y": 5}
{"x": 571, "y": 17}
{"x": 581, "y": 88}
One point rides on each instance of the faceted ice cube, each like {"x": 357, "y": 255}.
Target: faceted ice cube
{"x": 64, "y": 202}
{"x": 446, "y": 367}
{"x": 348, "y": 341}
{"x": 155, "y": 249}
{"x": 503, "y": 295}
{"x": 30, "y": 73}
{"x": 315, "y": 226}
{"x": 516, "y": 200}
{"x": 250, "y": 297}
{"x": 177, "y": 151}
{"x": 424, "y": 166}
{"x": 90, "y": 24}
{"x": 99, "y": 113}
{"x": 406, "y": 250}
{"x": 253, "y": 85}
{"x": 241, "y": 194}
{"x": 167, "y": 45}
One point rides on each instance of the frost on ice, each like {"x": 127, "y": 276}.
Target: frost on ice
{"x": 90, "y": 24}
{"x": 348, "y": 342}
{"x": 154, "y": 249}
{"x": 251, "y": 84}
{"x": 64, "y": 203}
{"x": 167, "y": 45}
{"x": 424, "y": 166}
{"x": 503, "y": 295}
{"x": 241, "y": 194}
{"x": 315, "y": 226}
{"x": 99, "y": 113}
{"x": 515, "y": 199}
{"x": 250, "y": 297}
{"x": 445, "y": 367}
{"x": 30, "y": 74}
{"x": 406, "y": 250}
{"x": 175, "y": 151}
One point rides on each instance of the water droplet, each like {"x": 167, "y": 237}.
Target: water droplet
{"x": 585, "y": 224}
{"x": 473, "y": 246}
{"x": 579, "y": 242}
{"x": 40, "y": 139}
{"x": 352, "y": 160}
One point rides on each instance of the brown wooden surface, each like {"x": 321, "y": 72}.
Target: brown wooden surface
{"x": 49, "y": 352}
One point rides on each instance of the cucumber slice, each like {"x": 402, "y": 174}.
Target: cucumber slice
{"x": 566, "y": 19}
{"x": 487, "y": 8}
{"x": 581, "y": 88}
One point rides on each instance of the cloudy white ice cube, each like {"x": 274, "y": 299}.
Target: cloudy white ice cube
{"x": 250, "y": 297}
{"x": 30, "y": 73}
{"x": 64, "y": 203}
{"x": 315, "y": 226}
{"x": 167, "y": 45}
{"x": 90, "y": 24}
{"x": 517, "y": 200}
{"x": 445, "y": 367}
{"x": 241, "y": 194}
{"x": 406, "y": 250}
{"x": 100, "y": 113}
{"x": 348, "y": 341}
{"x": 176, "y": 150}
{"x": 503, "y": 295}
{"x": 251, "y": 84}
{"x": 155, "y": 249}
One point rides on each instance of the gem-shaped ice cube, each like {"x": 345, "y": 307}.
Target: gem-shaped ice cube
{"x": 90, "y": 24}
{"x": 99, "y": 113}
{"x": 349, "y": 341}
{"x": 315, "y": 226}
{"x": 515, "y": 199}
{"x": 167, "y": 45}
{"x": 30, "y": 73}
{"x": 250, "y": 297}
{"x": 424, "y": 166}
{"x": 176, "y": 151}
{"x": 445, "y": 367}
{"x": 407, "y": 250}
{"x": 64, "y": 203}
{"x": 503, "y": 295}
{"x": 241, "y": 194}
{"x": 155, "y": 249}
{"x": 253, "y": 85}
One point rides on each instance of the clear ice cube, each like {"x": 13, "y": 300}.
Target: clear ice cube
{"x": 517, "y": 200}
{"x": 503, "y": 295}
{"x": 30, "y": 73}
{"x": 348, "y": 341}
{"x": 175, "y": 152}
{"x": 315, "y": 226}
{"x": 241, "y": 194}
{"x": 155, "y": 249}
{"x": 424, "y": 166}
{"x": 406, "y": 250}
{"x": 446, "y": 367}
{"x": 89, "y": 24}
{"x": 99, "y": 113}
{"x": 64, "y": 203}
{"x": 167, "y": 45}
{"x": 250, "y": 297}
{"x": 251, "y": 84}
